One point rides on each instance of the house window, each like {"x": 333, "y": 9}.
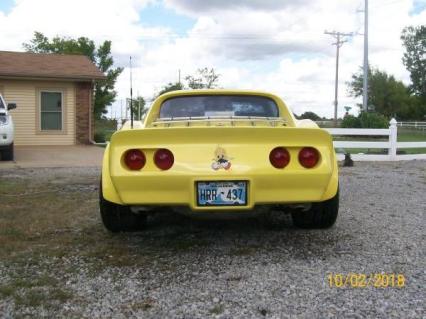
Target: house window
{"x": 51, "y": 111}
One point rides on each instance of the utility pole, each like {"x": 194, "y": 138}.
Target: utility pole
{"x": 131, "y": 94}
{"x": 340, "y": 39}
{"x": 127, "y": 108}
{"x": 139, "y": 107}
{"x": 365, "y": 67}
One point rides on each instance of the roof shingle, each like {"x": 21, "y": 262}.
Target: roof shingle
{"x": 46, "y": 65}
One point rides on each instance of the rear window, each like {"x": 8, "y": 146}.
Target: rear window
{"x": 218, "y": 106}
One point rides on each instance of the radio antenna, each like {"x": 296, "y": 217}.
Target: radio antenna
{"x": 131, "y": 95}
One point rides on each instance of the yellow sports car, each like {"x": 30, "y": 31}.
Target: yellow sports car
{"x": 219, "y": 152}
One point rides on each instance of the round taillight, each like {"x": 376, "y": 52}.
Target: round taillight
{"x": 279, "y": 157}
{"x": 164, "y": 159}
{"x": 308, "y": 157}
{"x": 134, "y": 159}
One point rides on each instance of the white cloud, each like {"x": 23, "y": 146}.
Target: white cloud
{"x": 271, "y": 45}
{"x": 197, "y": 7}
{"x": 74, "y": 18}
{"x": 295, "y": 34}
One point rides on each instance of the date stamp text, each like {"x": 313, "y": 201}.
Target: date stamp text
{"x": 362, "y": 280}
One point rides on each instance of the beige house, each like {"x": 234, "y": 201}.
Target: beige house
{"x": 54, "y": 97}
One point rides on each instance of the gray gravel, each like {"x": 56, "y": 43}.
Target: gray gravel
{"x": 239, "y": 269}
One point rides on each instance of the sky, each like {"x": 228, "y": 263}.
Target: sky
{"x": 271, "y": 45}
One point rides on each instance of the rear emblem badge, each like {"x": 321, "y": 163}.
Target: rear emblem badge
{"x": 221, "y": 159}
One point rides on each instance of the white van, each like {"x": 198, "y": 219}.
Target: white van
{"x": 6, "y": 130}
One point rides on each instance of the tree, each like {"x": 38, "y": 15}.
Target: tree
{"x": 204, "y": 79}
{"x": 414, "y": 59}
{"x": 311, "y": 116}
{"x": 387, "y": 95}
{"x": 171, "y": 87}
{"x": 138, "y": 102}
{"x": 101, "y": 56}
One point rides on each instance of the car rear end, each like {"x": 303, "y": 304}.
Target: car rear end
{"x": 257, "y": 165}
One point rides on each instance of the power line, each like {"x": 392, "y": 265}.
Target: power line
{"x": 340, "y": 39}
{"x": 205, "y": 35}
{"x": 379, "y": 5}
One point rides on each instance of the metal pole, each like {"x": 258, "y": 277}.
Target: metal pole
{"x": 336, "y": 84}
{"x": 365, "y": 68}
{"x": 127, "y": 111}
{"x": 131, "y": 95}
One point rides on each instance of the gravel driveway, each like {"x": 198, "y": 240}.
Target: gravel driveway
{"x": 181, "y": 268}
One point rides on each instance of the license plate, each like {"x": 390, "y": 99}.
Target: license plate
{"x": 229, "y": 193}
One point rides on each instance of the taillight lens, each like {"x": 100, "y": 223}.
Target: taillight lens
{"x": 164, "y": 159}
{"x": 279, "y": 157}
{"x": 308, "y": 157}
{"x": 134, "y": 159}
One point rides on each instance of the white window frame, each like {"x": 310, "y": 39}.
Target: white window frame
{"x": 40, "y": 111}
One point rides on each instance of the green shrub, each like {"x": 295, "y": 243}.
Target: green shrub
{"x": 373, "y": 120}
{"x": 350, "y": 121}
{"x": 104, "y": 129}
{"x": 99, "y": 137}
{"x": 365, "y": 120}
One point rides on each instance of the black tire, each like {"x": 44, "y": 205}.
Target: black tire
{"x": 7, "y": 154}
{"x": 118, "y": 218}
{"x": 320, "y": 215}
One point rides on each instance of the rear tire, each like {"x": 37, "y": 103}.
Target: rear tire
{"x": 320, "y": 215}
{"x": 118, "y": 218}
{"x": 7, "y": 154}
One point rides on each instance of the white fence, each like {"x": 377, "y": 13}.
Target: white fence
{"x": 392, "y": 144}
{"x": 413, "y": 125}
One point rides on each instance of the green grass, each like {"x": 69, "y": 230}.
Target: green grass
{"x": 34, "y": 291}
{"x": 406, "y": 135}
{"x": 38, "y": 230}
{"x": 244, "y": 251}
{"x": 144, "y": 305}
{"x": 32, "y": 298}
{"x": 7, "y": 291}
{"x": 217, "y": 310}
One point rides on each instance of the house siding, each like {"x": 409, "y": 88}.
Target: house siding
{"x": 26, "y": 94}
